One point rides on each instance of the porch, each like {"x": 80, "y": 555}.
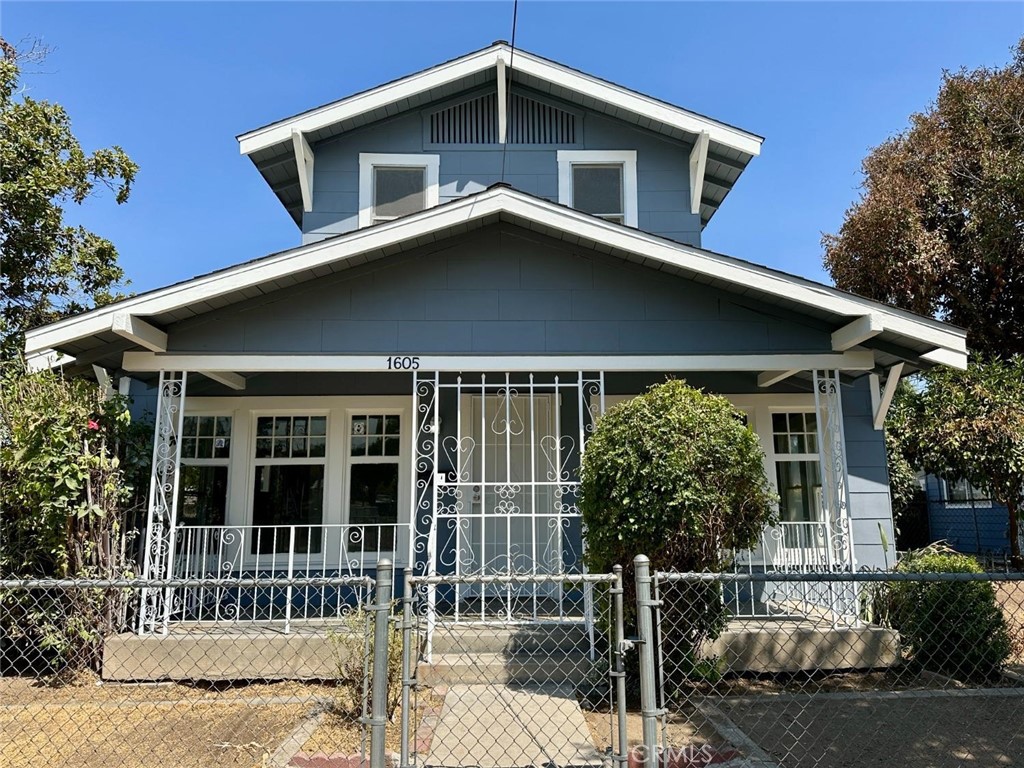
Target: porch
{"x": 465, "y": 474}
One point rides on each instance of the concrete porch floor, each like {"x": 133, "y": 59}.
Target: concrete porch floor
{"x": 474, "y": 653}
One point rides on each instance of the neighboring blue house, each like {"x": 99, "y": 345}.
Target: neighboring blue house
{"x": 493, "y": 251}
{"x": 966, "y": 518}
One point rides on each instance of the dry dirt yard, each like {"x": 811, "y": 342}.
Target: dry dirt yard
{"x": 139, "y": 726}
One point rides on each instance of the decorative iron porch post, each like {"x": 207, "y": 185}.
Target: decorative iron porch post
{"x": 162, "y": 515}
{"x": 835, "y": 484}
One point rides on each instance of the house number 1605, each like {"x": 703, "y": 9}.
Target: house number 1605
{"x": 403, "y": 363}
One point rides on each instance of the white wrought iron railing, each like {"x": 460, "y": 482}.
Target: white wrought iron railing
{"x": 278, "y": 551}
{"x": 793, "y": 547}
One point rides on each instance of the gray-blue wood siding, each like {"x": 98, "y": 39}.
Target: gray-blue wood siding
{"x": 663, "y": 182}
{"x": 870, "y": 504}
{"x": 500, "y": 290}
{"x": 973, "y": 529}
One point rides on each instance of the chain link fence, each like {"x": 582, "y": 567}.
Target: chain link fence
{"x": 929, "y": 671}
{"x": 926, "y": 670}
{"x": 81, "y": 686}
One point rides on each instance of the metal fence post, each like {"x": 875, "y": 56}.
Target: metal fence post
{"x": 379, "y": 674}
{"x": 408, "y": 673}
{"x": 619, "y": 673}
{"x": 645, "y": 629}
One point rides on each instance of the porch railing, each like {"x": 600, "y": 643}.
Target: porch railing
{"x": 792, "y": 547}
{"x": 285, "y": 551}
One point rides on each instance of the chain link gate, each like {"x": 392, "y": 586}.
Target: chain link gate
{"x": 525, "y": 690}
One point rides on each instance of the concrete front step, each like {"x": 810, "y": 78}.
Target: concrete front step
{"x": 774, "y": 646}
{"x": 500, "y": 669}
{"x": 512, "y": 639}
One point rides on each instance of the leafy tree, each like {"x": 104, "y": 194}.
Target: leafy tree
{"x": 970, "y": 425}
{"x": 939, "y": 228}
{"x": 49, "y": 269}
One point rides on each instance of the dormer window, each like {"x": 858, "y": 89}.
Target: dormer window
{"x": 601, "y": 183}
{"x": 392, "y": 186}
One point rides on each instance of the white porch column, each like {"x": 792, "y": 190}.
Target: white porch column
{"x": 162, "y": 514}
{"x": 835, "y": 483}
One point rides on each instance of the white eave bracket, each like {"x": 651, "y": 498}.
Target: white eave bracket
{"x": 129, "y": 327}
{"x": 502, "y": 99}
{"x": 304, "y": 160}
{"x": 46, "y": 359}
{"x": 771, "y": 378}
{"x": 227, "y": 378}
{"x": 881, "y": 399}
{"x": 698, "y": 162}
{"x": 857, "y": 332}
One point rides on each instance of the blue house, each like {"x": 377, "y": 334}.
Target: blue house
{"x": 966, "y": 518}
{"x": 493, "y": 251}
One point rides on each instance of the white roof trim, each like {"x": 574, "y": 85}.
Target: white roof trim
{"x": 442, "y": 74}
{"x": 654, "y": 251}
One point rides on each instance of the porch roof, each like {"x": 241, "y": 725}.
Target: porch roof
{"x": 103, "y": 334}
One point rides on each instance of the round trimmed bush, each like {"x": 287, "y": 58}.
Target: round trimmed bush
{"x": 953, "y": 627}
{"x": 675, "y": 474}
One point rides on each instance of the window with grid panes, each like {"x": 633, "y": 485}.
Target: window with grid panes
{"x": 373, "y": 466}
{"x": 288, "y": 487}
{"x": 797, "y": 469}
{"x": 203, "y": 480}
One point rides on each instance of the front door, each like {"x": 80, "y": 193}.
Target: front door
{"x": 511, "y": 522}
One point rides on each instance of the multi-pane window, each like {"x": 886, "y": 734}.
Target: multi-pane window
{"x": 393, "y": 186}
{"x": 288, "y": 487}
{"x": 600, "y": 182}
{"x": 373, "y": 466}
{"x": 203, "y": 481}
{"x": 797, "y": 469}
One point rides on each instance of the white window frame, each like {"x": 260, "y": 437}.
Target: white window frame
{"x": 972, "y": 503}
{"x": 401, "y": 461}
{"x": 221, "y": 461}
{"x": 567, "y": 158}
{"x": 368, "y": 161}
{"x": 775, "y": 458}
{"x": 254, "y": 462}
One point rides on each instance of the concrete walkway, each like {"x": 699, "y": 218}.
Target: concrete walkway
{"x": 496, "y": 726}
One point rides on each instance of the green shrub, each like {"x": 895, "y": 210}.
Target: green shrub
{"x": 953, "y": 627}
{"x": 674, "y": 473}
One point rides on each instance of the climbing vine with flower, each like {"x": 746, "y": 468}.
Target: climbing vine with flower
{"x": 72, "y": 482}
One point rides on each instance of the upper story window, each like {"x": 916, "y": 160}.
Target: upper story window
{"x": 599, "y": 182}
{"x": 392, "y": 186}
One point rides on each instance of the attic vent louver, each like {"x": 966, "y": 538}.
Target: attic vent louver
{"x": 476, "y": 122}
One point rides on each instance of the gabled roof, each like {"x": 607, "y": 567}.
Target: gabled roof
{"x": 921, "y": 340}
{"x": 270, "y": 147}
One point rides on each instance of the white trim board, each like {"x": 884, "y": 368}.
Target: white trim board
{"x": 567, "y": 158}
{"x": 255, "y": 363}
{"x": 479, "y": 61}
{"x": 430, "y": 163}
{"x": 411, "y": 231}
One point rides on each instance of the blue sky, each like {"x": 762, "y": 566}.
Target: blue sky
{"x": 174, "y": 83}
